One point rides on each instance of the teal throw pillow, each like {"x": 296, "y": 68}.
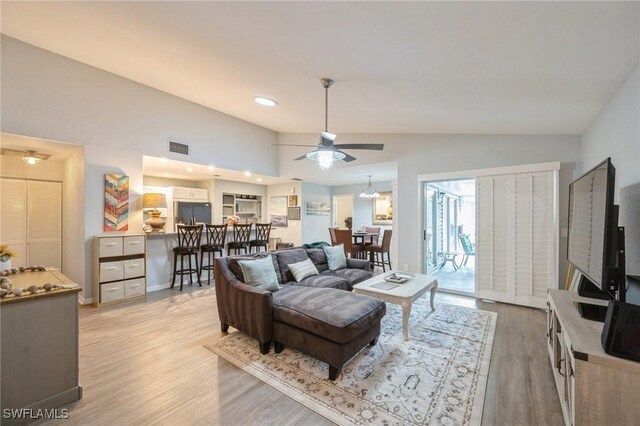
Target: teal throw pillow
{"x": 335, "y": 257}
{"x": 260, "y": 273}
{"x": 302, "y": 270}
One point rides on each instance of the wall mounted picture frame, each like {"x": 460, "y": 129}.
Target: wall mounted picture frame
{"x": 293, "y": 200}
{"x": 318, "y": 208}
{"x": 293, "y": 213}
{"x": 278, "y": 209}
{"x": 279, "y": 221}
{"x": 383, "y": 209}
{"x": 116, "y": 203}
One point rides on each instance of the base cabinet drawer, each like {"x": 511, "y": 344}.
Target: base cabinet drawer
{"x": 111, "y": 292}
{"x": 133, "y": 288}
{"x": 134, "y": 268}
{"x": 110, "y": 247}
{"x": 111, "y": 271}
{"x": 133, "y": 245}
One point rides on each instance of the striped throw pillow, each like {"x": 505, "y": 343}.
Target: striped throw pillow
{"x": 302, "y": 270}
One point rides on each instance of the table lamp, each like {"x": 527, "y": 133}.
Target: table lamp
{"x": 155, "y": 201}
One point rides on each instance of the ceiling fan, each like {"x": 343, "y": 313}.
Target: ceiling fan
{"x": 327, "y": 151}
{"x": 29, "y": 156}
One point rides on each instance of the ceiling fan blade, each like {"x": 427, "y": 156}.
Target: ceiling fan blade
{"x": 369, "y": 146}
{"x": 284, "y": 144}
{"x": 9, "y": 151}
{"x": 302, "y": 157}
{"x": 347, "y": 158}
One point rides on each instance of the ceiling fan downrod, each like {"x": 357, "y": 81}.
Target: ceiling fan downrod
{"x": 326, "y": 83}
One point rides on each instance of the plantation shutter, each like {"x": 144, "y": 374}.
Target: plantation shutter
{"x": 515, "y": 254}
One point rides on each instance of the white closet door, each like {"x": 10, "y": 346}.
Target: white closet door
{"x": 515, "y": 236}
{"x": 13, "y": 218}
{"x": 44, "y": 223}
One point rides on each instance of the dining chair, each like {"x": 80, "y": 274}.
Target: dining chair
{"x": 332, "y": 235}
{"x": 188, "y": 245}
{"x": 241, "y": 237}
{"x": 263, "y": 230}
{"x": 469, "y": 249}
{"x": 345, "y": 237}
{"x": 380, "y": 250}
{"x": 373, "y": 230}
{"x": 215, "y": 238}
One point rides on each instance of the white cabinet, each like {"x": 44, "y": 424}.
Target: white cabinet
{"x": 119, "y": 268}
{"x": 594, "y": 388}
{"x": 189, "y": 194}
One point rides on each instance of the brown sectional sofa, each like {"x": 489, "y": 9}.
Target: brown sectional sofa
{"x": 316, "y": 316}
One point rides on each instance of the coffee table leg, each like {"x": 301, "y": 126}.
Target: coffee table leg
{"x": 406, "y": 311}
{"x": 433, "y": 295}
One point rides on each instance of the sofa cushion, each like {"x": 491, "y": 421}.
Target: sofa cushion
{"x": 288, "y": 257}
{"x": 260, "y": 273}
{"x": 333, "y": 314}
{"x": 302, "y": 270}
{"x": 319, "y": 258}
{"x": 353, "y": 276}
{"x": 325, "y": 281}
{"x": 336, "y": 257}
{"x": 235, "y": 268}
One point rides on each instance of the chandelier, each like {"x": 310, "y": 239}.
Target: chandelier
{"x": 369, "y": 192}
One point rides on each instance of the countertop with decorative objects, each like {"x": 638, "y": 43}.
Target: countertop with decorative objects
{"x": 34, "y": 282}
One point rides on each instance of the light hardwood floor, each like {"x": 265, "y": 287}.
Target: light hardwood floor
{"x": 144, "y": 363}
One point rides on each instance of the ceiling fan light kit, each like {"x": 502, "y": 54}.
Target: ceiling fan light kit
{"x": 326, "y": 151}
{"x": 369, "y": 192}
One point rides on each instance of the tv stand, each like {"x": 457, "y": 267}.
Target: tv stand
{"x": 594, "y": 388}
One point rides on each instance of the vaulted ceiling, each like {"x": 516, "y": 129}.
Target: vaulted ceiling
{"x": 400, "y": 67}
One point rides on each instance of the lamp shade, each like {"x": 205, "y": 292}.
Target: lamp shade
{"x": 154, "y": 200}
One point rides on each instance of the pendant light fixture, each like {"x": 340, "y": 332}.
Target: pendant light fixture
{"x": 369, "y": 192}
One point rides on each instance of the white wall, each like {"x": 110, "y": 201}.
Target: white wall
{"x": 342, "y": 209}
{"x": 315, "y": 228}
{"x": 615, "y": 133}
{"x": 293, "y": 232}
{"x": 73, "y": 218}
{"x": 117, "y": 120}
{"x": 13, "y": 166}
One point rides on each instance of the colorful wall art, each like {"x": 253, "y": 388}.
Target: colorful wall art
{"x": 116, "y": 202}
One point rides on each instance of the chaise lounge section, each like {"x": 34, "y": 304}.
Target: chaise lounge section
{"x": 318, "y": 315}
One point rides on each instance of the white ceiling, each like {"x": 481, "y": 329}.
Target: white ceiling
{"x": 59, "y": 151}
{"x": 400, "y": 67}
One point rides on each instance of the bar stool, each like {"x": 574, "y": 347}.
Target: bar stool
{"x": 188, "y": 245}
{"x": 241, "y": 236}
{"x": 263, "y": 230}
{"x": 216, "y": 235}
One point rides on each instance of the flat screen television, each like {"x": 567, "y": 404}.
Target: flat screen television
{"x": 594, "y": 238}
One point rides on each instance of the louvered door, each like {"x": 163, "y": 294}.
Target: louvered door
{"x": 44, "y": 223}
{"x": 13, "y": 218}
{"x": 515, "y": 237}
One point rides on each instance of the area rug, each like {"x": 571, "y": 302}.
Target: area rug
{"x": 438, "y": 377}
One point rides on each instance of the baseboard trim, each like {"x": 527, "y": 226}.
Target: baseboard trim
{"x": 83, "y": 301}
{"x": 159, "y": 287}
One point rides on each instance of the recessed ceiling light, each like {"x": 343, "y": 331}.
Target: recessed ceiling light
{"x": 247, "y": 173}
{"x": 211, "y": 168}
{"x": 190, "y": 170}
{"x": 259, "y": 179}
{"x": 265, "y": 101}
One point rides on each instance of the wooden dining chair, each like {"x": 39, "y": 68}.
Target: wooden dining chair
{"x": 345, "y": 237}
{"x": 380, "y": 250}
{"x": 332, "y": 235}
{"x": 374, "y": 239}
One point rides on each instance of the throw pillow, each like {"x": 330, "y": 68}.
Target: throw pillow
{"x": 336, "y": 257}
{"x": 260, "y": 273}
{"x": 302, "y": 270}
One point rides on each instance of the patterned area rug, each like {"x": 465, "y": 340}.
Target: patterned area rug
{"x": 438, "y": 377}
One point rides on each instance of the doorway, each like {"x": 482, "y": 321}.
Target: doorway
{"x": 342, "y": 211}
{"x": 449, "y": 233}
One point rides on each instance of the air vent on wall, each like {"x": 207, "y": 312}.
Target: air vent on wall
{"x": 178, "y": 148}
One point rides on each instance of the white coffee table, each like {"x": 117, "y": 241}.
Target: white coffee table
{"x": 403, "y": 295}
